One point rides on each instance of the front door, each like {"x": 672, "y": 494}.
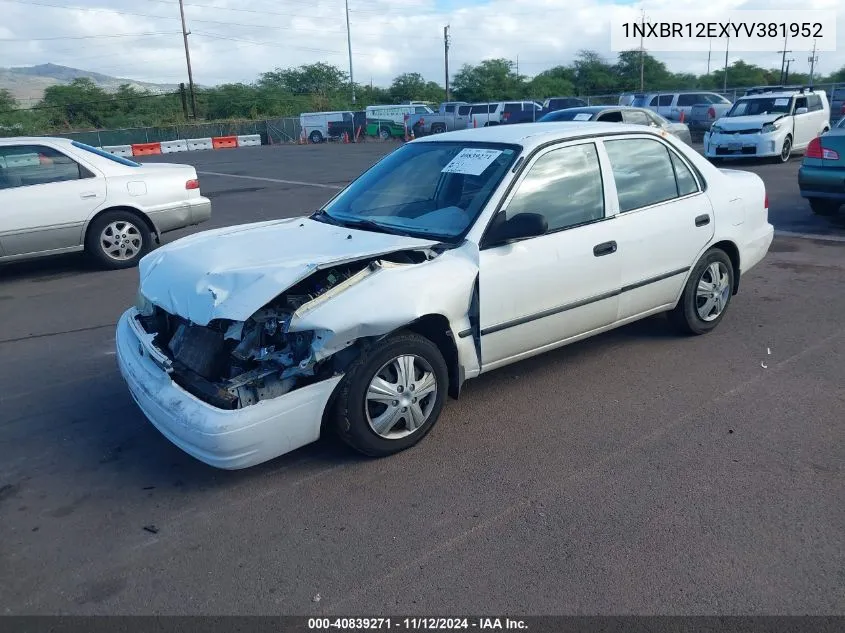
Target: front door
{"x": 45, "y": 198}
{"x": 538, "y": 292}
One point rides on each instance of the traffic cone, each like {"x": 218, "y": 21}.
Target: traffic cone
{"x": 682, "y": 116}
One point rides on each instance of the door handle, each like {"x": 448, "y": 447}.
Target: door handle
{"x": 702, "y": 220}
{"x": 88, "y": 194}
{"x": 605, "y": 248}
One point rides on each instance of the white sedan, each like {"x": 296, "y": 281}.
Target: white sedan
{"x": 455, "y": 255}
{"x": 60, "y": 196}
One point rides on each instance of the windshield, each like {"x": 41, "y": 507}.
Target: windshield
{"x": 566, "y": 115}
{"x": 761, "y": 105}
{"x": 433, "y": 189}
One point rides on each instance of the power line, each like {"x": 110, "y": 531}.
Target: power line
{"x": 85, "y": 37}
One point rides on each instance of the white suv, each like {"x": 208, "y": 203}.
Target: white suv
{"x": 769, "y": 124}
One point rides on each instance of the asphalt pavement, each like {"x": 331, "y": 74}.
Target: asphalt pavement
{"x": 638, "y": 472}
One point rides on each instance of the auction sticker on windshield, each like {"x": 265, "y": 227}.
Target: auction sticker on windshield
{"x": 582, "y": 116}
{"x": 781, "y": 102}
{"x": 471, "y": 161}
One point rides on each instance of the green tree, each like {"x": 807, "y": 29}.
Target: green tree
{"x": 655, "y": 74}
{"x": 593, "y": 75}
{"x": 491, "y": 79}
{"x": 7, "y": 101}
{"x": 320, "y": 79}
{"x": 554, "y": 82}
{"x": 81, "y": 103}
{"x": 412, "y": 87}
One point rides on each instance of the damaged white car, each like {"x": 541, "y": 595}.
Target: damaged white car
{"x": 454, "y": 255}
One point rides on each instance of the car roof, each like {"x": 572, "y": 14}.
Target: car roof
{"x": 530, "y": 135}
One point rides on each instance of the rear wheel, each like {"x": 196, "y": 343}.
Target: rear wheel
{"x": 706, "y": 295}
{"x": 438, "y": 128}
{"x": 392, "y": 395}
{"x": 823, "y": 206}
{"x": 384, "y": 134}
{"x": 316, "y": 137}
{"x": 118, "y": 239}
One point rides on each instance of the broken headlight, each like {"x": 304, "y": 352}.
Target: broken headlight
{"x": 144, "y": 306}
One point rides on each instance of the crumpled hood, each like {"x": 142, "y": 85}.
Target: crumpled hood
{"x": 231, "y": 273}
{"x": 747, "y": 122}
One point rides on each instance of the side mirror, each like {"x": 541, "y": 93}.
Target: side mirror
{"x": 801, "y": 110}
{"x": 520, "y": 226}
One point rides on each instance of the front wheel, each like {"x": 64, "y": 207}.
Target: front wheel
{"x": 707, "y": 294}
{"x": 392, "y": 395}
{"x": 316, "y": 137}
{"x": 117, "y": 239}
{"x": 785, "y": 151}
{"x": 384, "y": 134}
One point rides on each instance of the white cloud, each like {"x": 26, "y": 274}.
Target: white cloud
{"x": 388, "y": 37}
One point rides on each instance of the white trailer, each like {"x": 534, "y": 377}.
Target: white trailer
{"x": 316, "y": 124}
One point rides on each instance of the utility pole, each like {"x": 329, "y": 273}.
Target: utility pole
{"x": 786, "y": 77}
{"x": 446, "y": 57}
{"x": 709, "y": 51}
{"x": 727, "y": 46}
{"x": 813, "y": 59}
{"x": 783, "y": 58}
{"x": 349, "y": 45}
{"x": 185, "y": 34}
{"x": 517, "y": 65}
{"x": 642, "y": 55}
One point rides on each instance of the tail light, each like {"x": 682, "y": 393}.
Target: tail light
{"x": 192, "y": 184}
{"x": 766, "y": 201}
{"x": 506, "y": 116}
{"x": 711, "y": 113}
{"x": 815, "y": 150}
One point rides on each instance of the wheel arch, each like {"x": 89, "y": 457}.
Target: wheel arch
{"x": 732, "y": 251}
{"x": 136, "y": 212}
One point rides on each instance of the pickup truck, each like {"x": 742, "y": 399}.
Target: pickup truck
{"x": 452, "y": 115}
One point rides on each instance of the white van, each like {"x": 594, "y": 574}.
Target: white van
{"x": 316, "y": 124}
{"x": 395, "y": 113}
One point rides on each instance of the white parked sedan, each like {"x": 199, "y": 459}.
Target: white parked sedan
{"x": 59, "y": 196}
{"x": 452, "y": 256}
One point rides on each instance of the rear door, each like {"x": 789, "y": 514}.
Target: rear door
{"x": 804, "y": 126}
{"x": 45, "y": 198}
{"x": 664, "y": 221}
{"x": 664, "y": 104}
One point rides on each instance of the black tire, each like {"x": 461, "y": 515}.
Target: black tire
{"x": 133, "y": 231}
{"x": 316, "y": 137}
{"x": 438, "y": 128}
{"x": 384, "y": 134}
{"x": 823, "y": 206}
{"x": 786, "y": 151}
{"x": 685, "y": 316}
{"x": 349, "y": 415}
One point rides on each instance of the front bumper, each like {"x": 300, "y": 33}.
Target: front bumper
{"x": 224, "y": 439}
{"x": 822, "y": 182}
{"x": 722, "y": 145}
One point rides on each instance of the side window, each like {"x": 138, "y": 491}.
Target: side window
{"x": 665, "y": 100}
{"x": 24, "y": 165}
{"x": 691, "y": 99}
{"x": 479, "y": 109}
{"x": 463, "y": 110}
{"x": 800, "y": 102}
{"x": 636, "y": 117}
{"x": 449, "y": 109}
{"x": 611, "y": 117}
{"x": 643, "y": 172}
{"x": 815, "y": 103}
{"x": 684, "y": 177}
{"x": 653, "y": 103}
{"x": 513, "y": 107}
{"x": 420, "y": 110}
{"x": 565, "y": 186}
{"x": 654, "y": 119}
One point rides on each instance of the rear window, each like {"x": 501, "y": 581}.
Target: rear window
{"x": 513, "y": 107}
{"x": 104, "y": 154}
{"x": 691, "y": 99}
{"x": 566, "y": 115}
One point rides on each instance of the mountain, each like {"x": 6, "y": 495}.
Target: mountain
{"x": 27, "y": 83}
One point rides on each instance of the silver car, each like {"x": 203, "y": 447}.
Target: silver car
{"x": 621, "y": 114}
{"x": 60, "y": 196}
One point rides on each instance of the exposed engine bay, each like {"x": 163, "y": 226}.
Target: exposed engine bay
{"x": 235, "y": 364}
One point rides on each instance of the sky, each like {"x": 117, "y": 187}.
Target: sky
{"x": 236, "y": 40}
